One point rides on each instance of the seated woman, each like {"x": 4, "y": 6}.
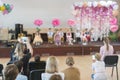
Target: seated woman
{"x": 55, "y": 77}
{"x": 37, "y": 39}
{"x": 71, "y": 73}
{"x": 51, "y": 69}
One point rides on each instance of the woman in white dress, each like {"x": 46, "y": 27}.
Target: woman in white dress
{"x": 51, "y": 69}
{"x": 98, "y": 68}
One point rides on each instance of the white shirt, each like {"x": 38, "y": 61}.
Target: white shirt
{"x": 21, "y": 77}
{"x": 50, "y": 34}
{"x": 99, "y": 69}
{"x": 104, "y": 52}
{"x": 77, "y": 34}
{"x": 46, "y": 76}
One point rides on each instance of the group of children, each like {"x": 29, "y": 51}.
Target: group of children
{"x": 57, "y": 37}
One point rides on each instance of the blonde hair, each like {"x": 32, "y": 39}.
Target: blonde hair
{"x": 19, "y": 51}
{"x": 11, "y": 72}
{"x": 51, "y": 65}
{"x": 106, "y": 40}
{"x": 98, "y": 56}
{"x": 69, "y": 61}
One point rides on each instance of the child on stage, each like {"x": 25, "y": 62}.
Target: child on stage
{"x": 37, "y": 40}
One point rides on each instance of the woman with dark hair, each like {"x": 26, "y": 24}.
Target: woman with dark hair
{"x": 106, "y": 49}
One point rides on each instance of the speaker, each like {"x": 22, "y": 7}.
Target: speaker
{"x": 18, "y": 29}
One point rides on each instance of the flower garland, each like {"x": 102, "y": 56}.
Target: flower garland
{"x": 97, "y": 15}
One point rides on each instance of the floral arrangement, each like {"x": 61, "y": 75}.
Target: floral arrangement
{"x": 99, "y": 15}
{"x": 38, "y": 22}
{"x": 71, "y": 22}
{"x": 55, "y": 22}
{"x": 113, "y": 24}
{"x": 5, "y": 8}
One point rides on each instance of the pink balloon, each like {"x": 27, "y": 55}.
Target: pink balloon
{"x": 71, "y": 22}
{"x": 55, "y": 22}
{"x": 114, "y": 28}
{"x": 11, "y": 6}
{"x": 5, "y": 12}
{"x": 38, "y": 22}
{"x": 113, "y": 21}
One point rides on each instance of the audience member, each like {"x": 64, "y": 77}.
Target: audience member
{"x": 19, "y": 65}
{"x": 98, "y": 68}
{"x": 71, "y": 73}
{"x": 55, "y": 77}
{"x": 106, "y": 49}
{"x": 37, "y": 58}
{"x": 51, "y": 68}
{"x": 23, "y": 52}
{"x": 11, "y": 72}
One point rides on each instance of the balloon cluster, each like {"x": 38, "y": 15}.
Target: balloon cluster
{"x": 55, "y": 22}
{"x": 97, "y": 15}
{"x": 102, "y": 8}
{"x": 6, "y": 8}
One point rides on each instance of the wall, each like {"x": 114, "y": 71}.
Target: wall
{"x": 26, "y": 11}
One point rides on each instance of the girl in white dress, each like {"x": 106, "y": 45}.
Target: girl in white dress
{"x": 98, "y": 68}
{"x": 37, "y": 40}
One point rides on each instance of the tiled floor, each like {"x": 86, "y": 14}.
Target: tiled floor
{"x": 81, "y": 62}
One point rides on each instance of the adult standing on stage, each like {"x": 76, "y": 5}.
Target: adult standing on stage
{"x": 106, "y": 49}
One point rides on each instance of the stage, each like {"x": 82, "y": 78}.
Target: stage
{"x": 62, "y": 50}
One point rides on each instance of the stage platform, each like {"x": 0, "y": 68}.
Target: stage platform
{"x": 64, "y": 49}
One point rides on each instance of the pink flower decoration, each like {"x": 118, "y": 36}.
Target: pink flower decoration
{"x": 55, "y": 22}
{"x": 113, "y": 21}
{"x": 71, "y": 22}
{"x": 38, "y": 22}
{"x": 114, "y": 28}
